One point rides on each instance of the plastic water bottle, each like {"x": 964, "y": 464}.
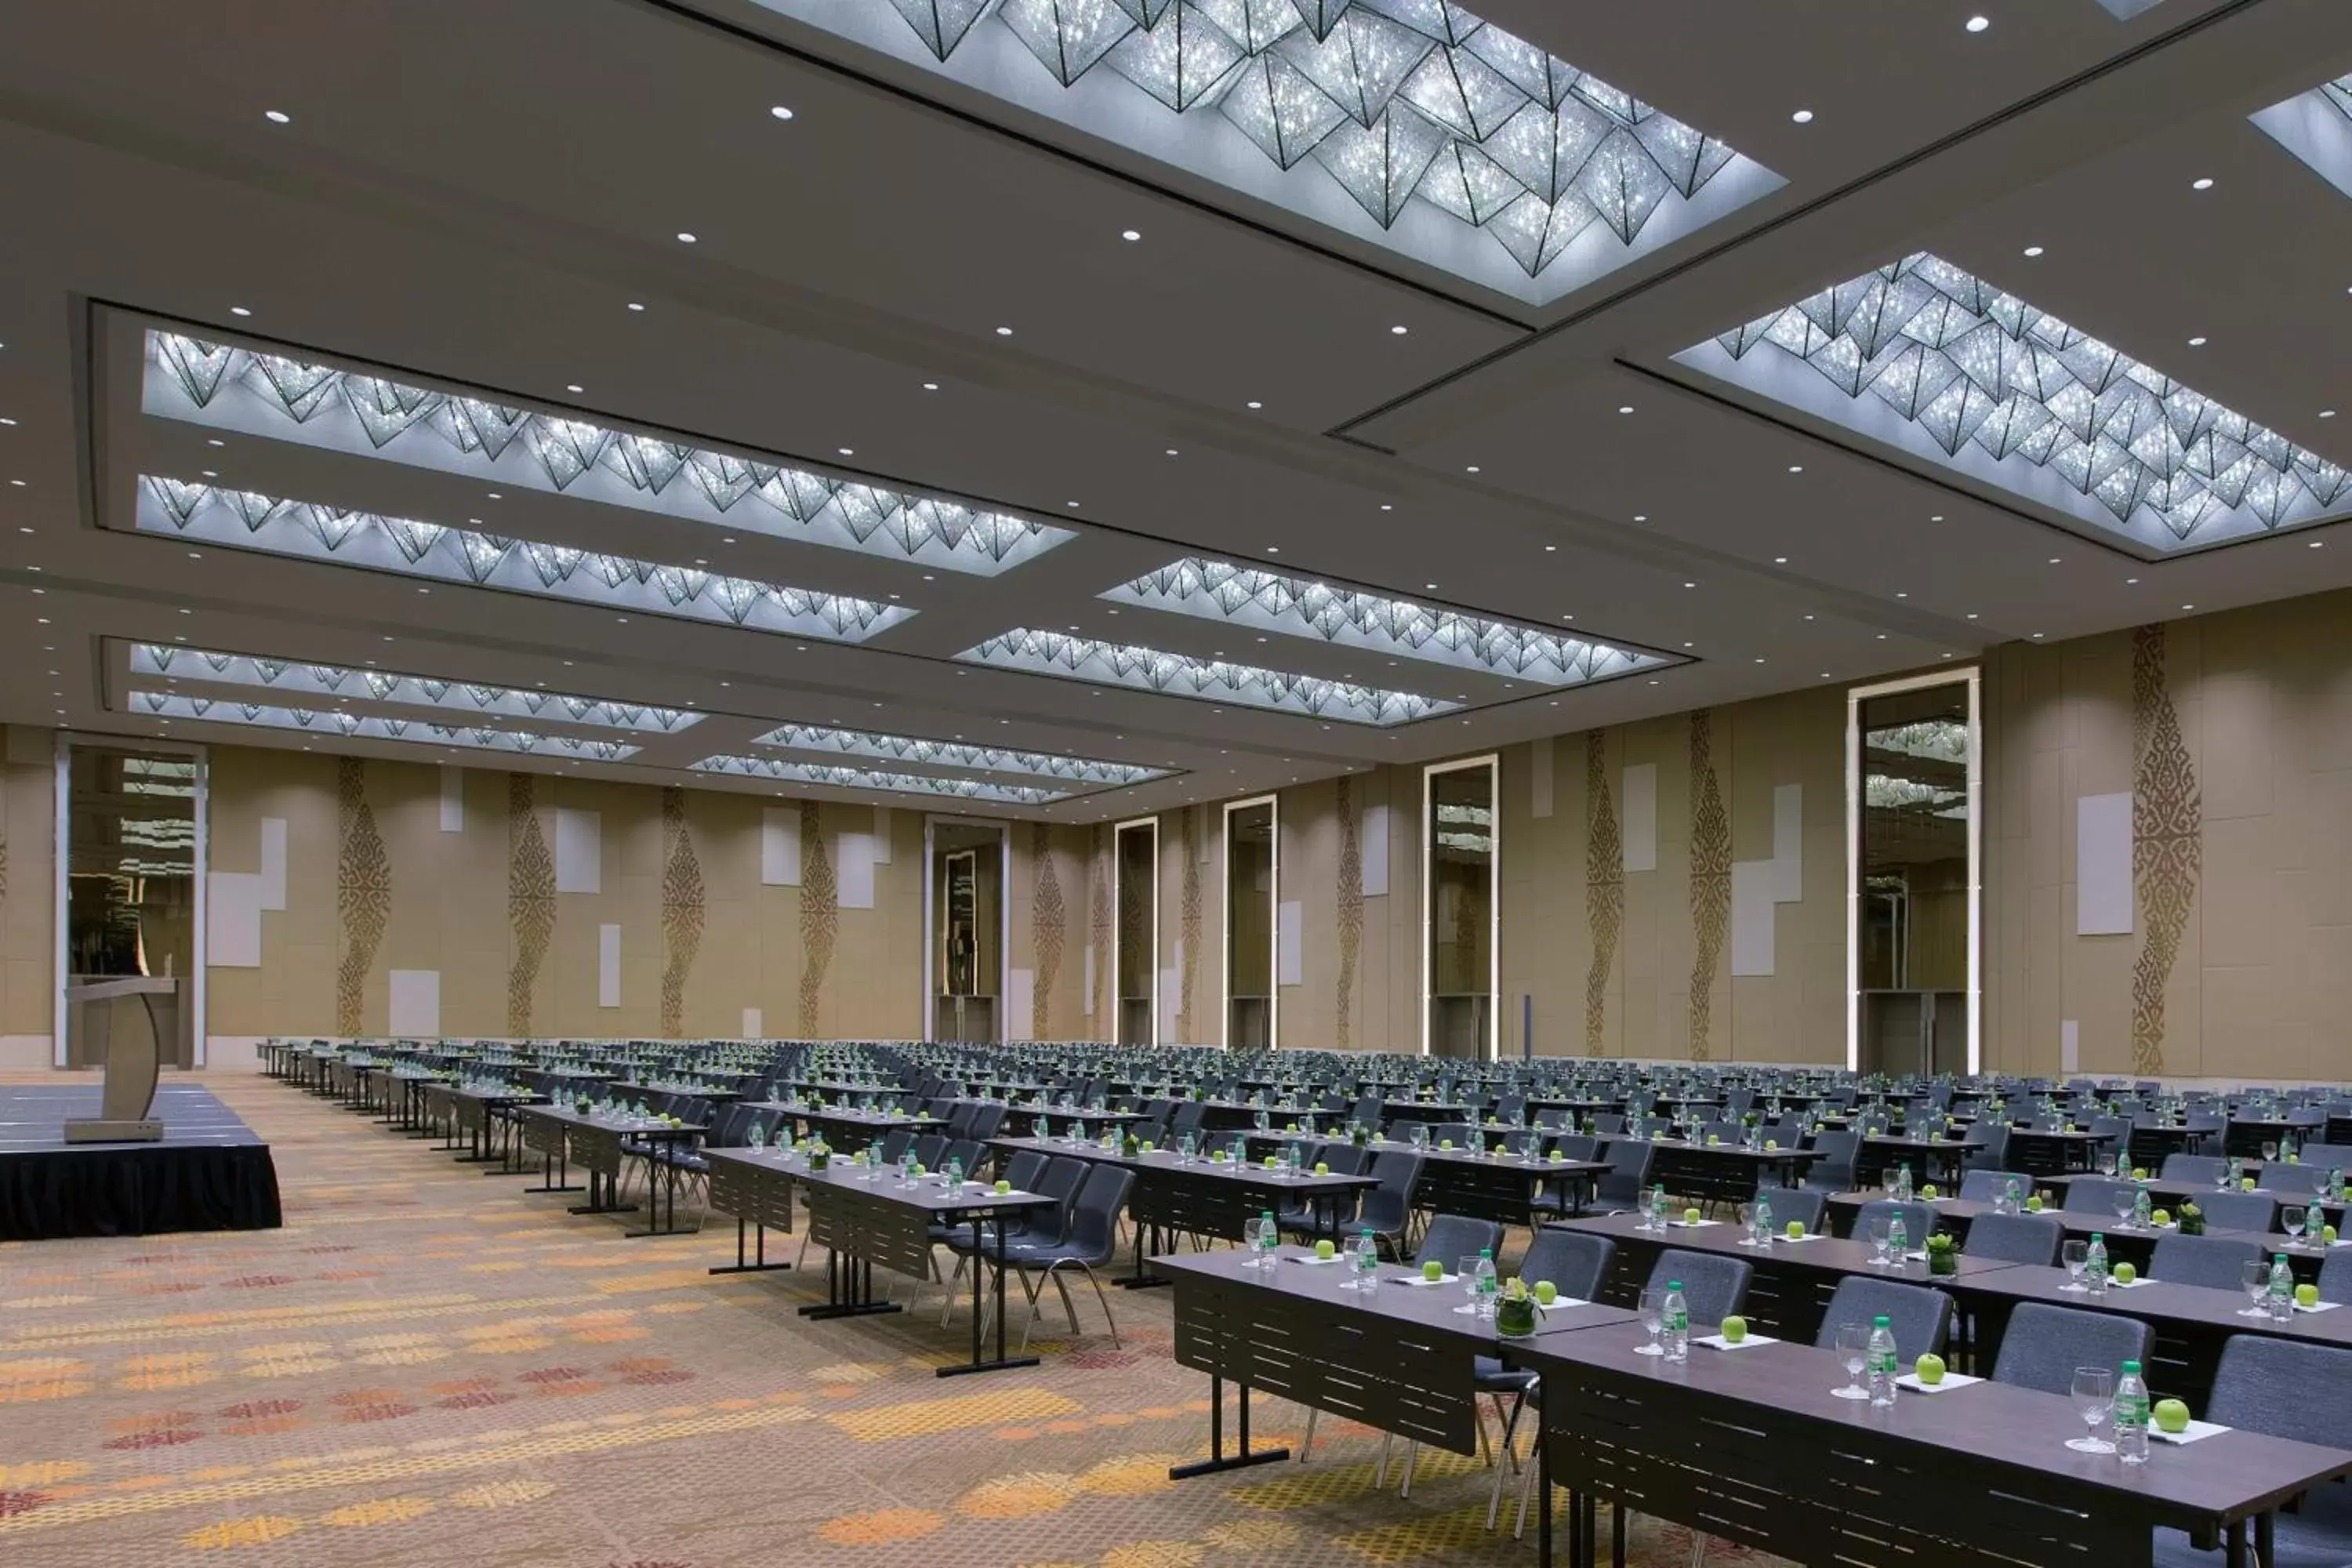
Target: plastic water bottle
{"x": 1673, "y": 1322}
{"x": 907, "y": 1166}
{"x": 1240, "y": 1150}
{"x": 2281, "y": 1296}
{"x": 2336, "y": 1184}
{"x": 1368, "y": 1259}
{"x": 1267, "y": 1237}
{"x": 1899, "y": 1239}
{"x": 953, "y": 1177}
{"x": 1184, "y": 1149}
{"x": 2131, "y": 1417}
{"x": 2142, "y": 1210}
{"x": 2094, "y": 1266}
{"x": 1658, "y": 1206}
{"x": 2014, "y": 1199}
{"x": 1488, "y": 1284}
{"x": 1885, "y": 1362}
{"x": 1761, "y": 1222}
{"x": 1902, "y": 1183}
{"x": 2314, "y": 1224}
{"x": 2237, "y": 1171}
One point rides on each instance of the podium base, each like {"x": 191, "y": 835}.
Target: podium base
{"x": 97, "y": 1130}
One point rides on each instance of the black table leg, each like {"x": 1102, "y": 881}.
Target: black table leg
{"x": 978, "y": 1260}
{"x": 758, "y": 1264}
{"x": 555, "y": 1174}
{"x": 1218, "y": 1459}
{"x": 1543, "y": 1509}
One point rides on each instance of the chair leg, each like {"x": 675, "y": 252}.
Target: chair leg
{"x": 1411, "y": 1456}
{"x": 1699, "y": 1548}
{"x": 1104, "y": 1302}
{"x": 1307, "y": 1447}
{"x": 1381, "y": 1474}
{"x": 947, "y": 1310}
{"x": 1527, "y": 1490}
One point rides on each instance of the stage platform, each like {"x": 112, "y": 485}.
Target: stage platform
{"x": 209, "y": 1171}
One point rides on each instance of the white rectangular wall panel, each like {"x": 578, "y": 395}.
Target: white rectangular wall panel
{"x": 608, "y": 966}
{"x": 1751, "y": 917}
{"x": 780, "y": 846}
{"x": 453, "y": 799}
{"x": 1289, "y": 944}
{"x": 1539, "y": 760}
{"x": 1019, "y": 1000}
{"x": 1169, "y": 980}
{"x": 579, "y": 851}
{"x": 1788, "y": 843}
{"x": 233, "y": 920}
{"x": 416, "y": 1003}
{"x": 755, "y": 1024}
{"x": 273, "y": 863}
{"x": 1089, "y": 991}
{"x": 1638, "y": 812}
{"x": 1372, "y": 845}
{"x": 881, "y": 836}
{"x": 2103, "y": 865}
{"x": 2070, "y": 1045}
{"x": 853, "y": 870}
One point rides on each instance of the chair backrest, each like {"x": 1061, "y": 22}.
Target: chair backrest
{"x": 2267, "y": 1384}
{"x": 1834, "y": 1171}
{"x": 2239, "y": 1211}
{"x": 1920, "y": 1315}
{"x": 2335, "y": 1277}
{"x": 1988, "y": 1148}
{"x": 2297, "y": 1180}
{"x": 1608, "y": 1122}
{"x": 1451, "y": 1236}
{"x": 1628, "y": 1172}
{"x": 2095, "y": 1194}
{"x": 1386, "y": 1207}
{"x": 1458, "y": 1133}
{"x": 1982, "y": 1186}
{"x": 2203, "y": 1168}
{"x": 1093, "y": 1235}
{"x": 929, "y": 1148}
{"x": 2043, "y": 1344}
{"x": 1574, "y": 1145}
{"x": 987, "y": 1120}
{"x": 1714, "y": 1287}
{"x": 2016, "y": 1238}
{"x": 1575, "y": 1261}
{"x": 1023, "y": 1169}
{"x": 1919, "y": 1220}
{"x": 965, "y": 1153}
{"x": 1063, "y": 1177}
{"x": 2219, "y": 1261}
{"x": 1793, "y": 1203}
{"x": 1187, "y": 1118}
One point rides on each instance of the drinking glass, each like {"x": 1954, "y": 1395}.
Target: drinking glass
{"x": 2256, "y": 1277}
{"x": 1467, "y": 1270}
{"x": 2292, "y": 1219}
{"x": 1654, "y": 1318}
{"x": 2125, "y": 1207}
{"x": 1879, "y": 1229}
{"x": 2077, "y": 1255}
{"x": 2270, "y": 1150}
{"x": 1853, "y": 1349}
{"x": 1748, "y": 1223}
{"x": 2095, "y": 1400}
{"x": 2107, "y": 1162}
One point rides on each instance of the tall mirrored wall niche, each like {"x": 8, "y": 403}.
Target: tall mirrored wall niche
{"x": 132, "y": 898}
{"x": 1460, "y": 977}
{"x": 1915, "y": 813}
{"x": 966, "y": 952}
{"x": 1253, "y": 894}
{"x": 1134, "y": 930}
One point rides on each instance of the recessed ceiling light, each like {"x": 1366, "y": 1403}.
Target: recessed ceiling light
{"x": 1399, "y": 331}
{"x": 780, "y": 113}
{"x": 17, "y": 483}
{"x": 846, "y": 451}
{"x": 2054, "y": 560}
{"x": 573, "y": 386}
{"x": 2324, "y": 414}
{"x": 1690, "y": 584}
{"x": 1641, "y": 517}
{"x": 2130, "y": 582}
{"x": 1273, "y": 549}
{"x": 1172, "y": 451}
{"x": 1472, "y": 468}
{"x": 1938, "y": 517}
{"x": 1759, "y": 660}
{"x": 1780, "y": 561}
{"x": 2187, "y": 606}
{"x": 1429, "y": 587}
{"x": 1005, "y": 331}
{"x": 1803, "y": 117}
{"x": 1796, "y": 468}
{"x": 2032, "y": 250}
{"x": 1550, "y": 549}
{"x": 685, "y": 237}
{"x": 1905, "y": 594}
{"x": 1624, "y": 408}
{"x": 1979, "y": 24}
{"x": 1257, "y": 405}
{"x": 277, "y": 117}
{"x": 1071, "y": 504}
{"x": 1386, "y": 506}
{"x": 2197, "y": 343}
{"x": 2316, "y": 543}
{"x": 238, "y": 310}
{"x": 633, "y": 305}
{"x": 2204, "y": 184}
{"x": 930, "y": 387}
{"x": 1972, "y": 614}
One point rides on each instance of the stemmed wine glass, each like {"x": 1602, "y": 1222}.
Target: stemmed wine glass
{"x": 1653, "y": 1318}
{"x": 2077, "y": 1255}
{"x": 1880, "y": 1229}
{"x": 1467, "y": 1270}
{"x": 2256, "y": 1277}
{"x": 2125, "y": 1205}
{"x": 1853, "y": 1349}
{"x": 2292, "y": 1217}
{"x": 2094, "y": 1399}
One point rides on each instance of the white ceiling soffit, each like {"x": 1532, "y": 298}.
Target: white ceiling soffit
{"x": 1413, "y": 125}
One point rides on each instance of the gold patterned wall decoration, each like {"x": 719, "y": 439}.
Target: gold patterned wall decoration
{"x": 1350, "y": 911}
{"x": 1189, "y": 918}
{"x": 1045, "y": 930}
{"x": 820, "y": 915}
{"x": 2168, "y": 843}
{"x": 1105, "y": 998}
{"x": 1604, "y": 888}
{"x": 363, "y": 892}
{"x": 1710, "y": 880}
{"x": 681, "y": 910}
{"x": 531, "y": 899}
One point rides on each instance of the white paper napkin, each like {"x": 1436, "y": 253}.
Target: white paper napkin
{"x": 1717, "y": 1342}
{"x": 1335, "y": 1257}
{"x": 2195, "y": 1431}
{"x": 1692, "y": 1224}
{"x": 1417, "y": 1280}
{"x": 1952, "y": 1380}
{"x": 2318, "y": 1306}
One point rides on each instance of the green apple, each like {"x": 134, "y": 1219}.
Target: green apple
{"x": 2171, "y": 1415}
{"x": 1796, "y": 1229}
{"x": 1322, "y": 1169}
{"x": 1146, "y": 1146}
{"x": 1735, "y": 1330}
{"x": 2160, "y": 1217}
{"x": 2295, "y": 1159}
{"x": 2033, "y": 1204}
{"x": 1928, "y": 1368}
{"x": 1003, "y": 1186}
{"x": 1928, "y": 1192}
{"x": 1446, "y": 1142}
{"x": 1326, "y": 1251}
{"x": 920, "y": 1172}
{"x": 1714, "y": 1139}
{"x": 2247, "y": 1182}
{"x": 1690, "y": 1217}
{"x": 1433, "y": 1270}
{"x": 1290, "y": 1126}
{"x": 1216, "y": 1156}
{"x": 1546, "y": 1292}
{"x": 2124, "y": 1273}
{"x": 2139, "y": 1173}
{"x": 1559, "y": 1156}
{"x": 2306, "y": 1295}
{"x": 1771, "y": 1143}
{"x": 2327, "y": 1234}
{"x": 1270, "y": 1162}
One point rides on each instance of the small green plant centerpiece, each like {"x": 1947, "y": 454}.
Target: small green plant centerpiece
{"x": 582, "y": 1105}
{"x": 2192, "y": 1220}
{"x": 1943, "y": 1257}
{"x": 1515, "y": 1313}
{"x": 1130, "y": 1145}
{"x": 1360, "y": 1135}
{"x": 819, "y": 1155}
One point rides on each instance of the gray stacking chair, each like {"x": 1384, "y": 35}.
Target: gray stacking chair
{"x": 1450, "y": 1236}
{"x": 2206, "y": 1170}
{"x": 1714, "y": 1287}
{"x": 2266, "y": 1384}
{"x": 1621, "y": 1186}
{"x": 1092, "y": 1242}
{"x": 2219, "y": 1261}
{"x": 1982, "y": 1186}
{"x": 1387, "y": 1209}
{"x": 2016, "y": 1238}
{"x": 2239, "y": 1211}
{"x": 1834, "y": 1171}
{"x": 1920, "y": 1315}
{"x": 2043, "y": 1344}
{"x": 1919, "y": 1220}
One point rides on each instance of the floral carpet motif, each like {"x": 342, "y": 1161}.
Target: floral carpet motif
{"x": 427, "y": 1366}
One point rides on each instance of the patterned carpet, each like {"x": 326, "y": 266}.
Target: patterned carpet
{"x": 428, "y": 1366}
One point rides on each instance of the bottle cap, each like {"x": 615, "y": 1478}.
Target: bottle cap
{"x": 2131, "y": 1369}
{"x": 1674, "y": 1284}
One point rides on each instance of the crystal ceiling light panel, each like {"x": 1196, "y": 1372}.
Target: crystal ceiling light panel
{"x": 2316, "y": 127}
{"x": 955, "y": 754}
{"x": 1412, "y": 123}
{"x": 289, "y": 678}
{"x": 313, "y": 531}
{"x": 1302, "y": 607}
{"x": 1179, "y": 675}
{"x": 226, "y": 387}
{"x": 149, "y": 703}
{"x": 1931, "y": 360}
{"x": 783, "y": 771}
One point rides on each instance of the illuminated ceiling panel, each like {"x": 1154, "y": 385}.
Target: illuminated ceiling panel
{"x": 2316, "y": 127}
{"x": 149, "y": 701}
{"x": 223, "y": 386}
{"x": 249, "y": 521}
{"x": 1179, "y": 675}
{"x": 955, "y": 754}
{"x": 1413, "y": 123}
{"x": 290, "y": 678}
{"x": 786, "y": 772}
{"x": 1302, "y": 607}
{"x": 1933, "y": 360}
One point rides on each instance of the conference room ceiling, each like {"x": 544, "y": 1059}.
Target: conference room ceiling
{"x": 970, "y": 456}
